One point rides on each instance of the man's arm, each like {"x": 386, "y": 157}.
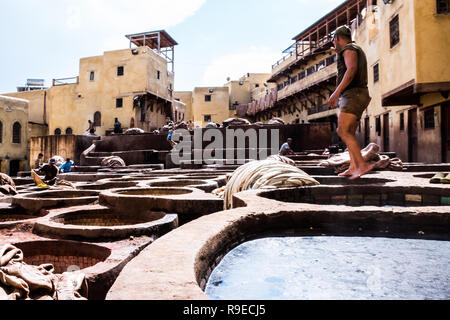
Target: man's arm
{"x": 351, "y": 62}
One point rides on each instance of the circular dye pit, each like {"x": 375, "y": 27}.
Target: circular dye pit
{"x": 63, "y": 194}
{"x": 33, "y": 202}
{"x": 154, "y": 192}
{"x": 63, "y": 255}
{"x": 107, "y": 185}
{"x": 333, "y": 268}
{"x": 327, "y": 180}
{"x": 106, "y": 218}
{"x": 126, "y": 179}
{"x": 206, "y": 186}
{"x": 358, "y": 195}
{"x": 103, "y": 223}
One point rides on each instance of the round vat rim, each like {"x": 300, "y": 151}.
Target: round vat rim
{"x": 73, "y": 243}
{"x": 50, "y": 220}
{"x": 29, "y": 195}
{"x": 91, "y": 233}
{"x": 116, "y": 192}
{"x": 220, "y": 234}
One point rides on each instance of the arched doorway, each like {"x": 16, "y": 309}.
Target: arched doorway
{"x": 69, "y": 131}
{"x": 98, "y": 119}
{"x": 57, "y": 132}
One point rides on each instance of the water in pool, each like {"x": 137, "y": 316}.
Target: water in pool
{"x": 333, "y": 268}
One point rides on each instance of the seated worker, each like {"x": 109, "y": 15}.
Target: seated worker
{"x": 286, "y": 148}
{"x": 38, "y": 161}
{"x": 66, "y": 166}
{"x": 51, "y": 172}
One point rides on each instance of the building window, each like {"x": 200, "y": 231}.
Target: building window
{"x": 376, "y": 73}
{"x": 301, "y": 75}
{"x": 394, "y": 30}
{"x": 429, "y": 119}
{"x": 207, "y": 97}
{"x": 207, "y": 118}
{"x": 57, "y": 132}
{"x": 310, "y": 70}
{"x": 1, "y": 132}
{"x": 119, "y": 103}
{"x": 92, "y": 76}
{"x": 378, "y": 125}
{"x": 97, "y": 119}
{"x": 120, "y": 71}
{"x": 443, "y": 6}
{"x": 69, "y": 131}
{"x": 330, "y": 60}
{"x": 17, "y": 133}
{"x": 256, "y": 85}
{"x": 402, "y": 121}
{"x": 158, "y": 75}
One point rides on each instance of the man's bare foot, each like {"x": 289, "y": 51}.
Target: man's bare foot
{"x": 362, "y": 171}
{"x": 347, "y": 173}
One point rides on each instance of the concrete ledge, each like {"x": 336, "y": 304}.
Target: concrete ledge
{"x": 197, "y": 247}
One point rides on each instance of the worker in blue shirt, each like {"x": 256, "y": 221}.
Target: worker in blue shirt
{"x": 66, "y": 166}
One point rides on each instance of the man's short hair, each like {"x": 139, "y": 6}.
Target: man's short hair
{"x": 289, "y": 139}
{"x": 343, "y": 31}
{"x": 52, "y": 161}
{"x": 40, "y": 155}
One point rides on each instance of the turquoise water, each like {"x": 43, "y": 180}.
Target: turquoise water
{"x": 333, "y": 268}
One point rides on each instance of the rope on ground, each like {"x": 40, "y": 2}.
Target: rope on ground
{"x": 264, "y": 174}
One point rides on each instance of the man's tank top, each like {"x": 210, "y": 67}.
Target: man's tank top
{"x": 360, "y": 79}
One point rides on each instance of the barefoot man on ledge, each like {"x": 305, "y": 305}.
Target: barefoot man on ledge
{"x": 353, "y": 97}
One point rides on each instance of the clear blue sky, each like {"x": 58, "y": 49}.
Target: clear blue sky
{"x": 217, "y": 38}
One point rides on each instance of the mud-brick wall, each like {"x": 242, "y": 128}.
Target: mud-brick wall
{"x": 66, "y": 146}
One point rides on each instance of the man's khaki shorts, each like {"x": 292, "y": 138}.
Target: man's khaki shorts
{"x": 354, "y": 101}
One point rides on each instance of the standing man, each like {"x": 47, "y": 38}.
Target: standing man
{"x": 170, "y": 125}
{"x": 117, "y": 126}
{"x": 353, "y": 97}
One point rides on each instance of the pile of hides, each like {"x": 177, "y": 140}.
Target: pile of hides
{"x": 113, "y": 162}
{"x": 212, "y": 125}
{"x": 132, "y": 131}
{"x": 59, "y": 160}
{"x": 341, "y": 161}
{"x": 263, "y": 174}
{"x": 276, "y": 121}
{"x": 20, "y": 281}
{"x": 236, "y": 122}
{"x": 7, "y": 186}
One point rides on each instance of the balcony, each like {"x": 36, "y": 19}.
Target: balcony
{"x": 322, "y": 108}
{"x": 324, "y": 73}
